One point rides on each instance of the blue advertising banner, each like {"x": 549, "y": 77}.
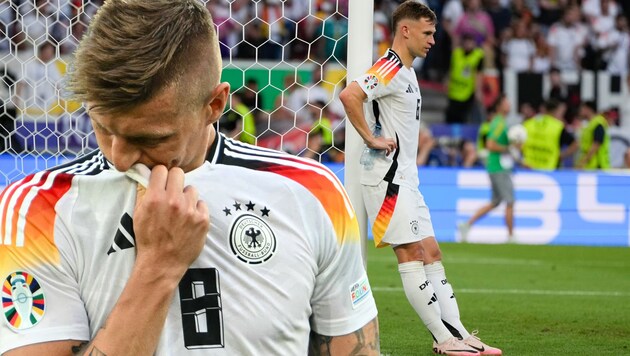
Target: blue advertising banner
{"x": 564, "y": 207}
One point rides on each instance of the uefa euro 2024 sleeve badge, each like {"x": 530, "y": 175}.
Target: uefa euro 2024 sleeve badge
{"x": 370, "y": 82}
{"x": 23, "y": 302}
{"x": 251, "y": 239}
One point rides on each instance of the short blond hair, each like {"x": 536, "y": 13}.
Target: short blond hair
{"x": 412, "y": 10}
{"x": 135, "y": 48}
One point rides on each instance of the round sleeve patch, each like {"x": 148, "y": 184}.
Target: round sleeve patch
{"x": 370, "y": 82}
{"x": 23, "y": 302}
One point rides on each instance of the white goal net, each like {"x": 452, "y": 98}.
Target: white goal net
{"x": 285, "y": 61}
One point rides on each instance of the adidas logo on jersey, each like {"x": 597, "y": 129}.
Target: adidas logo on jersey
{"x": 125, "y": 237}
{"x": 409, "y": 89}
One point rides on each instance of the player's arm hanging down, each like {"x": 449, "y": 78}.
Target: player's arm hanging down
{"x": 364, "y": 341}
{"x": 353, "y": 98}
{"x": 171, "y": 224}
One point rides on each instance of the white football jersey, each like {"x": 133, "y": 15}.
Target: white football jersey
{"x": 394, "y": 101}
{"x": 282, "y": 256}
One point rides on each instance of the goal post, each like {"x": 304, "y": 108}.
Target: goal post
{"x": 360, "y": 42}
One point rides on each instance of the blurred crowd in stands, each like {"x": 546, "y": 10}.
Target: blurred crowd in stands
{"x": 474, "y": 38}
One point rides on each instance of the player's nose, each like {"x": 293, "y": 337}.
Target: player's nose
{"x": 123, "y": 154}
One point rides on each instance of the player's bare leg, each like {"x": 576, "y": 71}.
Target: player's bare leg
{"x": 509, "y": 221}
{"x": 481, "y": 212}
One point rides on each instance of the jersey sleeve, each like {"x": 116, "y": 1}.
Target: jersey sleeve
{"x": 40, "y": 294}
{"x": 376, "y": 82}
{"x": 342, "y": 300}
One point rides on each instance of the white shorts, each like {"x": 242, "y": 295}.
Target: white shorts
{"x": 398, "y": 214}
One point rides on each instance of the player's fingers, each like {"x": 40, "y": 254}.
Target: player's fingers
{"x": 157, "y": 181}
{"x": 202, "y": 209}
{"x": 191, "y": 194}
{"x": 175, "y": 182}
{"x": 391, "y": 146}
{"x": 204, "y": 214}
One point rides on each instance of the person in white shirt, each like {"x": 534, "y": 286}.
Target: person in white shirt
{"x": 171, "y": 239}
{"x": 387, "y": 99}
{"x": 541, "y": 62}
{"x": 519, "y": 50}
{"x": 38, "y": 88}
{"x": 619, "y": 56}
{"x": 567, "y": 39}
{"x": 43, "y": 19}
{"x": 452, "y": 12}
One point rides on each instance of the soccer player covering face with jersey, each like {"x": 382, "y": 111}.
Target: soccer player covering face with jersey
{"x": 387, "y": 96}
{"x": 171, "y": 239}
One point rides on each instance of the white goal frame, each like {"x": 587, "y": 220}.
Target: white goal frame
{"x": 360, "y": 42}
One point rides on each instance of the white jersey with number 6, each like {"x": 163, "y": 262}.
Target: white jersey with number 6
{"x": 394, "y": 101}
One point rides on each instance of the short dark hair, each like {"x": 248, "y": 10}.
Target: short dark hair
{"x": 412, "y": 10}
{"x": 590, "y": 104}
{"x": 551, "y": 104}
{"x": 495, "y": 104}
{"x": 136, "y": 48}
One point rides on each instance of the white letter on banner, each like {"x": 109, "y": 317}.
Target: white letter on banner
{"x": 589, "y": 208}
{"x": 546, "y": 210}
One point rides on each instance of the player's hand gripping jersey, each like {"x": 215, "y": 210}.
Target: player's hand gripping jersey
{"x": 394, "y": 101}
{"x": 282, "y": 255}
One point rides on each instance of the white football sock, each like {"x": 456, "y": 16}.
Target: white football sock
{"x": 446, "y": 298}
{"x": 422, "y": 298}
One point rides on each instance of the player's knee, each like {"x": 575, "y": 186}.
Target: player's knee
{"x": 432, "y": 256}
{"x": 409, "y": 252}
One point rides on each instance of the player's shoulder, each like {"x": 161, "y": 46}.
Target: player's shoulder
{"x": 275, "y": 167}
{"x": 31, "y": 204}
{"x": 231, "y": 152}
{"x": 386, "y": 67}
{"x": 57, "y": 179}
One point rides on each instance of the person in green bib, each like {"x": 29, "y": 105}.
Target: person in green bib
{"x": 501, "y": 159}
{"x": 320, "y": 137}
{"x": 464, "y": 86}
{"x": 594, "y": 139}
{"x": 548, "y": 142}
{"x": 239, "y": 122}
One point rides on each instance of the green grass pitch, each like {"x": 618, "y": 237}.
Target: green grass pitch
{"x": 526, "y": 300}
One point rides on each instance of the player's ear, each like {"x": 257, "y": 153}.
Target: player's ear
{"x": 404, "y": 29}
{"x": 216, "y": 103}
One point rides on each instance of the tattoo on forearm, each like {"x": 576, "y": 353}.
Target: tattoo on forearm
{"x": 96, "y": 352}
{"x": 82, "y": 349}
{"x": 319, "y": 345}
{"x": 367, "y": 342}
{"x": 360, "y": 345}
